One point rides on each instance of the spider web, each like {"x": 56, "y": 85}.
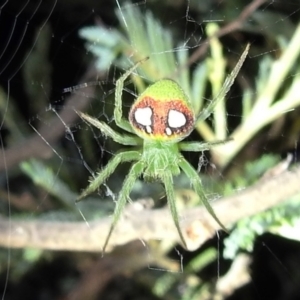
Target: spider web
{"x": 38, "y": 122}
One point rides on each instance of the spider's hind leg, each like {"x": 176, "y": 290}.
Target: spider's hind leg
{"x": 118, "y": 114}
{"x": 208, "y": 109}
{"x": 122, "y": 139}
{"x": 201, "y": 146}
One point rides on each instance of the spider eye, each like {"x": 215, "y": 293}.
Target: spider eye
{"x": 162, "y": 115}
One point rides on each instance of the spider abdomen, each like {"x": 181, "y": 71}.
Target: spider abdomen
{"x": 161, "y": 116}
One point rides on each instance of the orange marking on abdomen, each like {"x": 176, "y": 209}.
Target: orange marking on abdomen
{"x": 160, "y": 114}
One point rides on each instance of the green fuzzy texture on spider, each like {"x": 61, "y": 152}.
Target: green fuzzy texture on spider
{"x": 159, "y": 119}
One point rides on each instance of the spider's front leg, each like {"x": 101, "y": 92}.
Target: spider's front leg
{"x": 108, "y": 170}
{"x": 120, "y": 121}
{"x": 135, "y": 171}
{"x": 167, "y": 179}
{"x": 192, "y": 174}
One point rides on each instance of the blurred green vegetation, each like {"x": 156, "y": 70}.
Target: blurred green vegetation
{"x": 257, "y": 114}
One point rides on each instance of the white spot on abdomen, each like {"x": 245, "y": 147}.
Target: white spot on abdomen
{"x": 143, "y": 117}
{"x": 176, "y": 119}
{"x": 168, "y": 131}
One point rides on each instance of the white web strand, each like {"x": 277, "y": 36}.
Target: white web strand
{"x": 12, "y": 30}
{"x": 191, "y": 40}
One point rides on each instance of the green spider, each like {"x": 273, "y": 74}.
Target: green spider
{"x": 159, "y": 119}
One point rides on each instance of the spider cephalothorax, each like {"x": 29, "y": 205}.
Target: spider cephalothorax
{"x": 159, "y": 119}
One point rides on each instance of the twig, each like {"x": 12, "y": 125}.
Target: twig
{"x": 237, "y": 276}
{"x": 34, "y": 145}
{"x": 95, "y": 278}
{"x": 150, "y": 224}
{"x": 230, "y": 27}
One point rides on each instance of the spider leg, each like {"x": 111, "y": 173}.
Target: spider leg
{"x": 207, "y": 110}
{"x": 120, "y": 121}
{"x": 201, "y": 146}
{"x": 135, "y": 171}
{"x": 108, "y": 170}
{"x": 192, "y": 174}
{"x": 167, "y": 180}
{"x": 106, "y": 130}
